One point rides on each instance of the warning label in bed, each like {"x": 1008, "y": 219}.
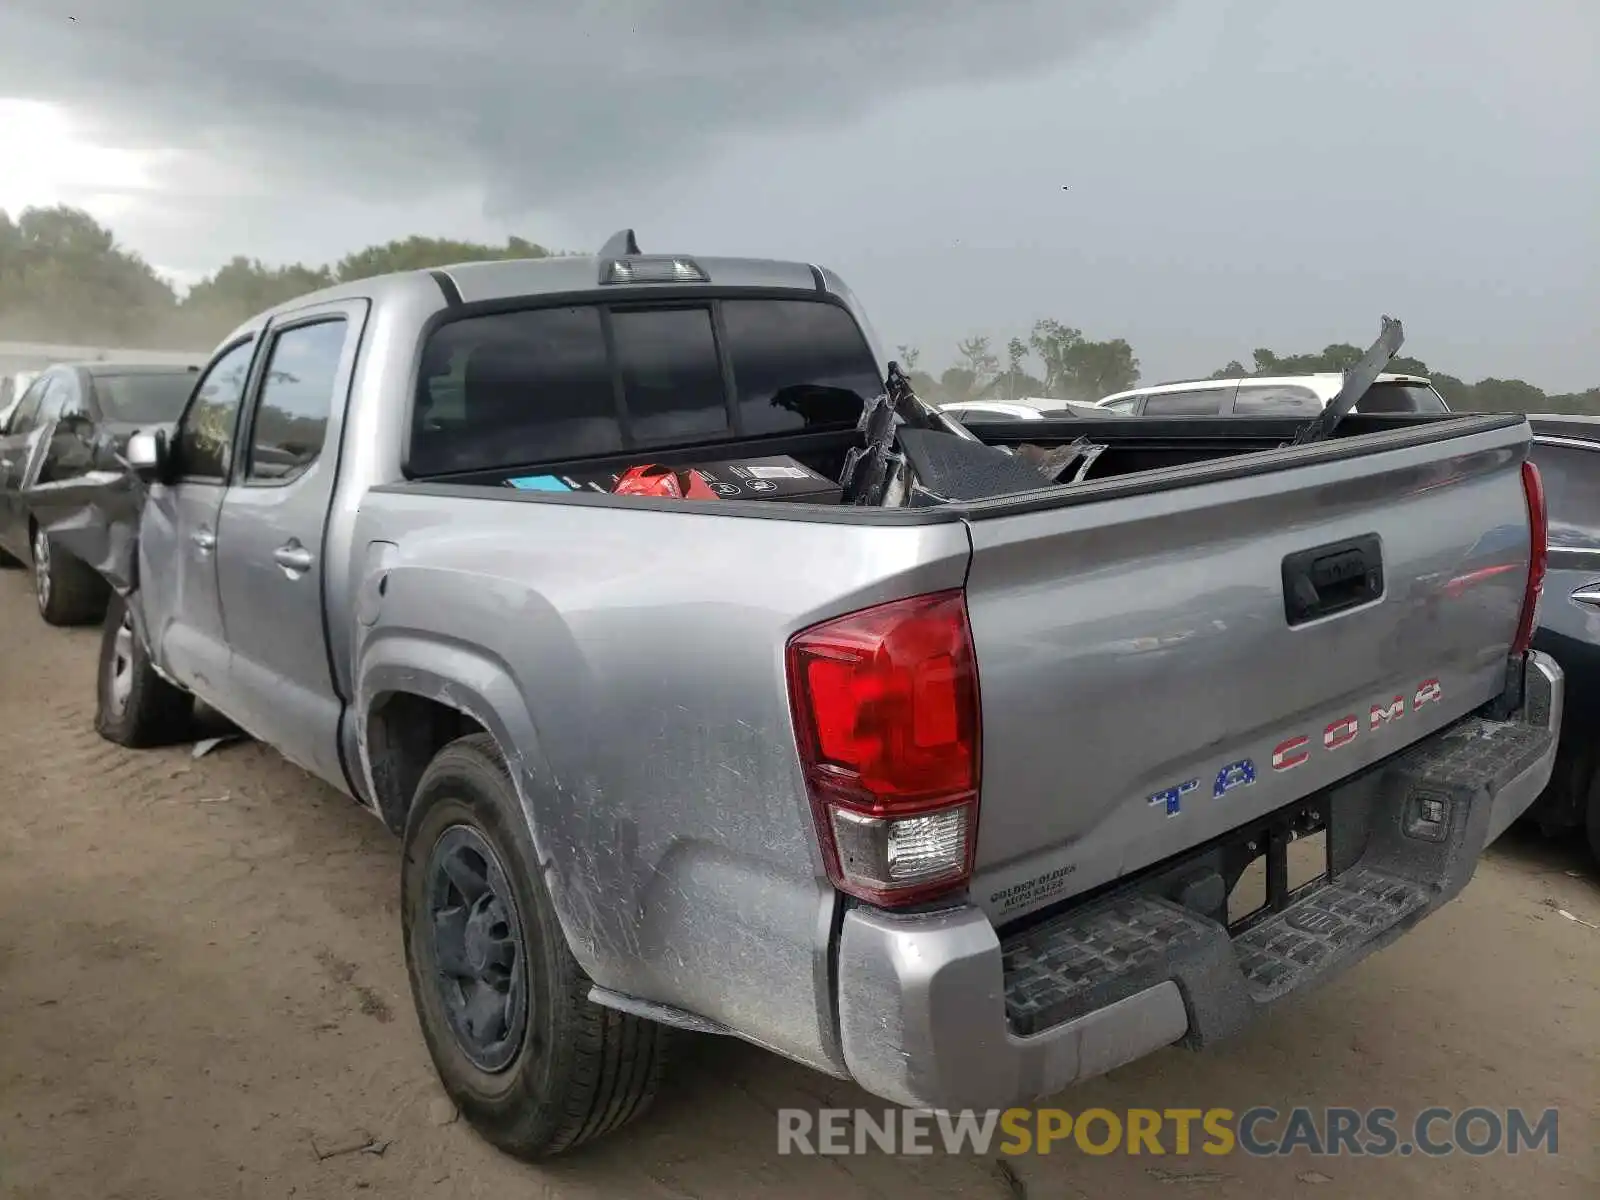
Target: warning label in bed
{"x": 1033, "y": 891}
{"x": 775, "y": 472}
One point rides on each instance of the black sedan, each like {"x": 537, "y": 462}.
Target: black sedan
{"x": 1567, "y": 451}
{"x": 66, "y": 421}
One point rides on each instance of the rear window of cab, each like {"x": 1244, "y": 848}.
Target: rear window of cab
{"x": 556, "y": 383}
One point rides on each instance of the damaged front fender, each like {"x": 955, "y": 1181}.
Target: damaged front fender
{"x": 89, "y": 500}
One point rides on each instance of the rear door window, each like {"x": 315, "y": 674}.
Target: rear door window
{"x": 1275, "y": 400}
{"x": 516, "y": 387}
{"x": 671, "y": 376}
{"x": 1198, "y": 402}
{"x": 1571, "y": 477}
{"x": 797, "y": 365}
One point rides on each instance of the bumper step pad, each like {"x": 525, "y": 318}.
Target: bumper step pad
{"x": 1312, "y": 933}
{"x": 1079, "y": 961}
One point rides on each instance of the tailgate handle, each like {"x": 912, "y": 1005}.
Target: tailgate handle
{"x": 1329, "y": 579}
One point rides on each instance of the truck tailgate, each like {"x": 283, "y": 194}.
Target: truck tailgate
{"x": 1145, "y": 686}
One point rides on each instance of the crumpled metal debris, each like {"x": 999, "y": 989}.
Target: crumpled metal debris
{"x": 1054, "y": 462}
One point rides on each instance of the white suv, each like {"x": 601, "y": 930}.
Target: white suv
{"x": 1275, "y": 396}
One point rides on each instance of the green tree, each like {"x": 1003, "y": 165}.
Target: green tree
{"x": 418, "y": 253}
{"x": 63, "y": 278}
{"x": 978, "y": 360}
{"x": 244, "y": 287}
{"x": 1014, "y": 381}
{"x": 1078, "y": 369}
{"x": 957, "y": 383}
{"x": 1504, "y": 395}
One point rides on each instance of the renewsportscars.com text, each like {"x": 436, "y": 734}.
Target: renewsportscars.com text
{"x": 1258, "y": 1132}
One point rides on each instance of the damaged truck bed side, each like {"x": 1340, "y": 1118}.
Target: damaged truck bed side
{"x": 945, "y": 793}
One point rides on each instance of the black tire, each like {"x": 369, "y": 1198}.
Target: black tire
{"x": 573, "y": 1070}
{"x": 1593, "y": 821}
{"x": 68, "y": 590}
{"x": 134, "y": 706}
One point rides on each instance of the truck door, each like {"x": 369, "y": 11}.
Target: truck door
{"x": 270, "y": 556}
{"x": 178, "y": 533}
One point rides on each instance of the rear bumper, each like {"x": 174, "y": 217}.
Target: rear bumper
{"x": 938, "y": 1011}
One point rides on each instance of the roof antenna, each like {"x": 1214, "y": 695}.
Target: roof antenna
{"x": 620, "y": 245}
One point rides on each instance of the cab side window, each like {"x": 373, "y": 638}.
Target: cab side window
{"x": 26, "y": 418}
{"x": 291, "y": 420}
{"x": 205, "y": 435}
{"x": 58, "y": 398}
{"x": 1195, "y": 402}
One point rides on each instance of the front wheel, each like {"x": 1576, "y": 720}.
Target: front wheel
{"x": 68, "y": 590}
{"x": 135, "y": 706}
{"x": 530, "y": 1060}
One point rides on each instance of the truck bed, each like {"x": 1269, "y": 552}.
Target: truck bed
{"x": 1131, "y": 632}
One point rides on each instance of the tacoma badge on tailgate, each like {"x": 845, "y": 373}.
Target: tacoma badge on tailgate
{"x": 1291, "y": 752}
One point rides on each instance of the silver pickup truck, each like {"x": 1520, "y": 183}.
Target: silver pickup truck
{"x": 953, "y": 797}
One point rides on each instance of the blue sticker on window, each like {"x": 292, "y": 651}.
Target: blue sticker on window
{"x": 539, "y": 483}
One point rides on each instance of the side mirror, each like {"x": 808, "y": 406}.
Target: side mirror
{"x": 147, "y": 455}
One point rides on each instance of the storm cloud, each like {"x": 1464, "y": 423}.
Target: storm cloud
{"x": 1202, "y": 177}
{"x": 528, "y": 99}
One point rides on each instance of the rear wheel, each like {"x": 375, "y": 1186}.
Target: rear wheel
{"x": 531, "y": 1061}
{"x": 68, "y": 590}
{"x": 136, "y": 707}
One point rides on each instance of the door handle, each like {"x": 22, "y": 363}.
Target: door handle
{"x": 1589, "y": 595}
{"x": 1329, "y": 579}
{"x": 205, "y": 541}
{"x": 294, "y": 558}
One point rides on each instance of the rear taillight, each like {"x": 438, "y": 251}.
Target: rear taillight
{"x": 886, "y": 718}
{"x": 1538, "y": 556}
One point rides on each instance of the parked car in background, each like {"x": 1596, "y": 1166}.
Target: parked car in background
{"x": 1033, "y": 408}
{"x": 1567, "y": 451}
{"x": 1276, "y": 396}
{"x": 68, "y": 418}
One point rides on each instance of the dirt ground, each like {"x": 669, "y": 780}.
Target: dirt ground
{"x": 202, "y": 994}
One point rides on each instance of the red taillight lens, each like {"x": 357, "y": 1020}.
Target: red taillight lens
{"x": 1538, "y": 556}
{"x": 886, "y": 719}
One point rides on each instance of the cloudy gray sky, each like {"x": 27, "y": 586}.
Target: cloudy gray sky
{"x": 1238, "y": 173}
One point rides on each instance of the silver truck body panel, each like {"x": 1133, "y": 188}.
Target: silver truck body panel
{"x": 1131, "y": 647}
{"x": 655, "y": 756}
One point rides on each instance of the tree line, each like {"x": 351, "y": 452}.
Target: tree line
{"x": 65, "y": 278}
{"x": 1057, "y": 362}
